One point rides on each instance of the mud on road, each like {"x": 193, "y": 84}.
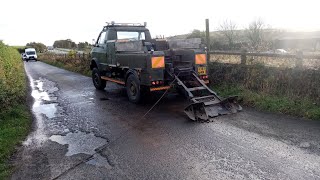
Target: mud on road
{"x": 81, "y": 133}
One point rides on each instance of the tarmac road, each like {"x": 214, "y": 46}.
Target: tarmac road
{"x": 82, "y": 133}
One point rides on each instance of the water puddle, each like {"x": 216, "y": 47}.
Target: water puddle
{"x": 41, "y": 105}
{"x": 41, "y": 108}
{"x": 39, "y": 85}
{"x": 49, "y": 110}
{"x": 79, "y": 142}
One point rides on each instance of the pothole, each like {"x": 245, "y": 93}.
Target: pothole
{"x": 79, "y": 142}
{"x": 49, "y": 110}
{"x": 42, "y": 99}
{"x": 99, "y": 161}
{"x": 41, "y": 90}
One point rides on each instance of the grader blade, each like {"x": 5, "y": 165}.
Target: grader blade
{"x": 206, "y": 111}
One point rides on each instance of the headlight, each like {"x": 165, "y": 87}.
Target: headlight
{"x": 201, "y": 59}
{"x": 157, "y": 62}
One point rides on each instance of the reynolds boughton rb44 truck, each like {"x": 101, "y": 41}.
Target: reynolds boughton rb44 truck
{"x": 125, "y": 53}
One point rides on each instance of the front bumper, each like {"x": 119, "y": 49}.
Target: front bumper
{"x": 31, "y": 57}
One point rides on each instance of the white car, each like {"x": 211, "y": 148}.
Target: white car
{"x": 281, "y": 51}
{"x": 30, "y": 54}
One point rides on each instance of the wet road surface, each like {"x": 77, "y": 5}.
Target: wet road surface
{"x": 81, "y": 133}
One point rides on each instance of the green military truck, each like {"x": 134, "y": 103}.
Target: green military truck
{"x": 125, "y": 53}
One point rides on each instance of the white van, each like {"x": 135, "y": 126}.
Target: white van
{"x": 30, "y": 54}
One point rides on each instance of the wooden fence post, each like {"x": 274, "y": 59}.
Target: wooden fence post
{"x": 299, "y": 60}
{"x": 208, "y": 39}
{"x": 244, "y": 57}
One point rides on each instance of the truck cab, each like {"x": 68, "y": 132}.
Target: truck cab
{"x": 104, "y": 49}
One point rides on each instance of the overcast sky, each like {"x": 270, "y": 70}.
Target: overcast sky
{"x": 23, "y": 21}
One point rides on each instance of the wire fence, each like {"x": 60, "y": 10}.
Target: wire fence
{"x": 298, "y": 60}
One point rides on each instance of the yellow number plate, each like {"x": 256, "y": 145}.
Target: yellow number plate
{"x": 202, "y": 70}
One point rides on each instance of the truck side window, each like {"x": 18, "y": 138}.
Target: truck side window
{"x": 102, "y": 38}
{"x": 142, "y": 36}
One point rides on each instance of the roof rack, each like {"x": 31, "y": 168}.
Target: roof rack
{"x": 112, "y": 23}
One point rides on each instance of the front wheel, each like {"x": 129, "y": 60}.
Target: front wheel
{"x": 133, "y": 89}
{"x": 99, "y": 83}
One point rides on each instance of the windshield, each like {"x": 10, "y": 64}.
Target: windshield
{"x": 31, "y": 53}
{"x": 131, "y": 35}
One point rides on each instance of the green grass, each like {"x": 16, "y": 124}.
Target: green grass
{"x": 69, "y": 67}
{"x": 15, "y": 119}
{"x": 14, "y": 127}
{"x": 19, "y": 48}
{"x": 279, "y": 104}
{"x": 12, "y": 77}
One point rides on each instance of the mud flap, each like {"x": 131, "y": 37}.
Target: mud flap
{"x": 205, "y": 111}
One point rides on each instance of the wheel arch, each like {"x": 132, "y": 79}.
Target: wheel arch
{"x": 94, "y": 64}
{"x": 129, "y": 72}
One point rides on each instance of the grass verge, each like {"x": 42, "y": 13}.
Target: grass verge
{"x": 68, "y": 66}
{"x": 15, "y": 118}
{"x": 14, "y": 127}
{"x": 272, "y": 103}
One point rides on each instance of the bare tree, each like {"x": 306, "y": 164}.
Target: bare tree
{"x": 255, "y": 33}
{"x": 229, "y": 30}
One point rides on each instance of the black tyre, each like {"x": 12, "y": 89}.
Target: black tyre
{"x": 133, "y": 89}
{"x": 99, "y": 83}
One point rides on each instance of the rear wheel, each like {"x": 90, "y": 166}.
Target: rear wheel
{"x": 99, "y": 83}
{"x": 133, "y": 89}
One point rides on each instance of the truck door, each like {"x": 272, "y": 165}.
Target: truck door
{"x": 100, "y": 51}
{"x": 111, "y": 38}
{"x": 111, "y": 52}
